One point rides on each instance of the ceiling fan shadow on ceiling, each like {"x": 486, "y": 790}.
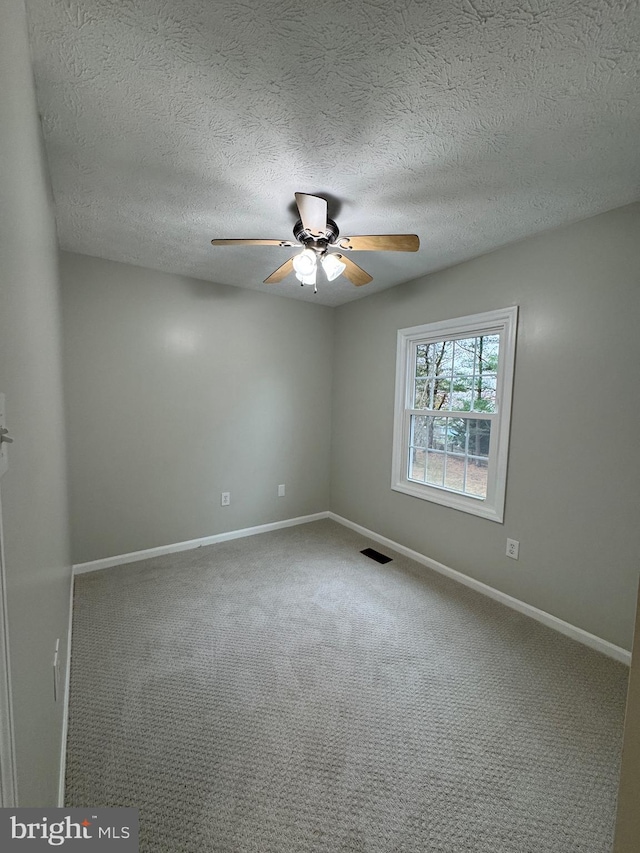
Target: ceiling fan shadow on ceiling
{"x": 323, "y": 248}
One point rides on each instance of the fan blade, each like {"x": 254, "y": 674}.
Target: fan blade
{"x": 280, "y": 273}
{"x": 313, "y": 213}
{"x": 381, "y": 243}
{"x": 283, "y": 243}
{"x": 353, "y": 272}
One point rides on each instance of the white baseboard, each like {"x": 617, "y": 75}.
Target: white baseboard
{"x": 563, "y": 627}
{"x": 65, "y": 699}
{"x": 582, "y": 636}
{"x": 135, "y": 556}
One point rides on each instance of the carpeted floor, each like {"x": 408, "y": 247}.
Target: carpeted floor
{"x": 284, "y": 693}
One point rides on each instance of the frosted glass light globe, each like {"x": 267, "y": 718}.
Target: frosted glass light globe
{"x": 307, "y": 279}
{"x": 305, "y": 263}
{"x": 332, "y": 266}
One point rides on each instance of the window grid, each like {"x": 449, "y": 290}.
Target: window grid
{"x": 438, "y": 374}
{"x": 438, "y": 422}
{"x": 441, "y": 435}
{"x": 453, "y": 400}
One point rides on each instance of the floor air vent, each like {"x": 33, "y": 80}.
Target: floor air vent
{"x": 376, "y": 555}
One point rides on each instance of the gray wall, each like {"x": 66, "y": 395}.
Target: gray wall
{"x": 180, "y": 389}
{"x": 34, "y": 489}
{"x": 574, "y": 466}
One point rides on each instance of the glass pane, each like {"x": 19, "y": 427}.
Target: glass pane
{"x": 465, "y": 357}
{"x": 436, "y": 444}
{"x": 416, "y": 463}
{"x": 443, "y": 365}
{"x": 435, "y": 468}
{"x": 457, "y": 431}
{"x": 455, "y": 472}
{"x": 441, "y": 358}
{"x": 484, "y": 393}
{"x": 437, "y": 433}
{"x": 461, "y": 397}
{"x": 488, "y": 349}
{"x": 476, "y": 483}
{"x": 433, "y": 364}
{"x": 441, "y": 392}
{"x": 421, "y": 360}
{"x": 420, "y": 394}
{"x": 419, "y": 431}
{"x": 479, "y": 434}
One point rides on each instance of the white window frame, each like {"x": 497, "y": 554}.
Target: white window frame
{"x": 502, "y": 322}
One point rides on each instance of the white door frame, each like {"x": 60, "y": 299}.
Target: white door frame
{"x": 8, "y": 779}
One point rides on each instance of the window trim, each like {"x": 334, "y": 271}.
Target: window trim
{"x": 504, "y": 322}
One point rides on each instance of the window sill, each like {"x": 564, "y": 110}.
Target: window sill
{"x": 471, "y": 505}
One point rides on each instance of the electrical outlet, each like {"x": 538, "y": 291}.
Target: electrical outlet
{"x": 225, "y": 498}
{"x": 513, "y": 548}
{"x": 281, "y": 491}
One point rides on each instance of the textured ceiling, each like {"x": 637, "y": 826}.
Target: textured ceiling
{"x": 471, "y": 123}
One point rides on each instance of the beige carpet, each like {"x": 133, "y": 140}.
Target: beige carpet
{"x": 285, "y": 693}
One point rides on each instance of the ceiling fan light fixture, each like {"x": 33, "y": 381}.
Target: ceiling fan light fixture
{"x": 333, "y": 267}
{"x": 307, "y": 279}
{"x": 305, "y": 264}
{"x": 316, "y": 235}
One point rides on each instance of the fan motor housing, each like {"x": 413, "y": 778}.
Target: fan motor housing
{"x": 310, "y": 241}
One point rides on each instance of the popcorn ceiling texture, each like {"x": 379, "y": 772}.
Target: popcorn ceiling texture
{"x": 472, "y": 123}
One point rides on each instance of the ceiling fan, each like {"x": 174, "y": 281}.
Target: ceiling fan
{"x": 322, "y": 246}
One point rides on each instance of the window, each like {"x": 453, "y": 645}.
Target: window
{"x": 453, "y": 404}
